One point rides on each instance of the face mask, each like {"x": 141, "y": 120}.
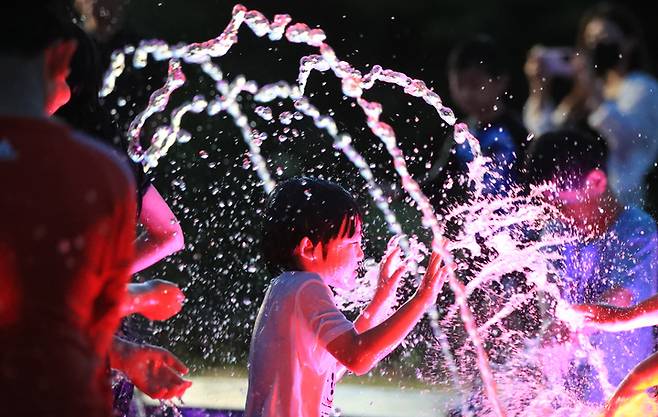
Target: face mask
{"x": 605, "y": 56}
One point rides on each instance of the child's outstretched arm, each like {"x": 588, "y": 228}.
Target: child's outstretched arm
{"x": 642, "y": 377}
{"x": 155, "y": 299}
{"x": 359, "y": 352}
{"x": 616, "y": 319}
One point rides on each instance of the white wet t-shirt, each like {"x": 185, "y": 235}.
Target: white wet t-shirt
{"x": 291, "y": 373}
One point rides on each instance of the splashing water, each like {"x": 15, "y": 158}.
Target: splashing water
{"x": 506, "y": 256}
{"x": 353, "y": 84}
{"x": 358, "y": 298}
{"x": 489, "y": 233}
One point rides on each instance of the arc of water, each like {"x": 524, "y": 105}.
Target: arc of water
{"x": 343, "y": 143}
{"x": 199, "y": 52}
{"x": 227, "y": 101}
{"x": 117, "y": 66}
{"x": 595, "y": 357}
{"x": 157, "y": 103}
{"x": 490, "y": 272}
{"x": 515, "y": 301}
{"x": 387, "y": 135}
{"x": 352, "y": 86}
{"x": 166, "y": 136}
{"x": 270, "y": 92}
{"x": 444, "y": 345}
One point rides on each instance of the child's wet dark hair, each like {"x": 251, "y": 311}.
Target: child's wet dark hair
{"x": 304, "y": 207}
{"x": 566, "y": 155}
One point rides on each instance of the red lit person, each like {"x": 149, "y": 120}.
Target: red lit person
{"x": 155, "y": 371}
{"x": 67, "y": 234}
{"x": 301, "y": 342}
{"x": 161, "y": 232}
{"x": 619, "y": 319}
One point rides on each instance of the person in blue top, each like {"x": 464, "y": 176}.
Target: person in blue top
{"x": 614, "y": 259}
{"x": 478, "y": 76}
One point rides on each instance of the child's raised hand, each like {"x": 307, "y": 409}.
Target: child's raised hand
{"x": 391, "y": 269}
{"x": 155, "y": 371}
{"x": 434, "y": 278}
{"x": 155, "y": 299}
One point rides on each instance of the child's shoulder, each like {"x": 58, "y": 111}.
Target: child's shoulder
{"x": 290, "y": 285}
{"x": 298, "y": 277}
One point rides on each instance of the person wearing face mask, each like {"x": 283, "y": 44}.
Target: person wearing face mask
{"x": 612, "y": 94}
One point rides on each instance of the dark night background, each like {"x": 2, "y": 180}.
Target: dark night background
{"x": 217, "y": 199}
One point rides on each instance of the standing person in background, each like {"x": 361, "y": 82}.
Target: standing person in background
{"x": 478, "y": 75}
{"x": 479, "y": 79}
{"x": 612, "y": 92}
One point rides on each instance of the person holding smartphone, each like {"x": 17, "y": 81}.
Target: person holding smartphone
{"x": 611, "y": 94}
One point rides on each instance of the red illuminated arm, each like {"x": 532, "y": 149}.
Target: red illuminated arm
{"x": 155, "y": 371}
{"x": 163, "y": 235}
{"x": 154, "y": 299}
{"x": 616, "y": 319}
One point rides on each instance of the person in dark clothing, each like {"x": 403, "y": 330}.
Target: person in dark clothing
{"x": 478, "y": 75}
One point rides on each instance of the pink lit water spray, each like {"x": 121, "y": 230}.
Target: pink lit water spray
{"x": 493, "y": 219}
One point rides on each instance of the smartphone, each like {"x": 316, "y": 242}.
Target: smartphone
{"x": 556, "y": 61}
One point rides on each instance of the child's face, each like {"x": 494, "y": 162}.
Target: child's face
{"x": 574, "y": 200}
{"x": 474, "y": 91}
{"x": 343, "y": 256}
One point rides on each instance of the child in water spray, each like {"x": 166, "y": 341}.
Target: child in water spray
{"x": 615, "y": 260}
{"x": 302, "y": 343}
